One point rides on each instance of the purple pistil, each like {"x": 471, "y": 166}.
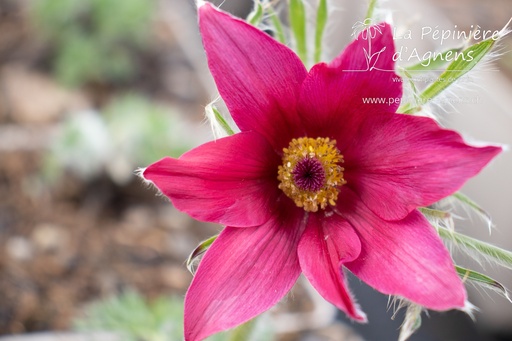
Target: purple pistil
{"x": 309, "y": 175}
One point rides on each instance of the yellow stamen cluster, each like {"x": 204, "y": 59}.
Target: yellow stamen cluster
{"x": 324, "y": 150}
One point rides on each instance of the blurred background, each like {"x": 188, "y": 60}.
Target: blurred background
{"x": 91, "y": 90}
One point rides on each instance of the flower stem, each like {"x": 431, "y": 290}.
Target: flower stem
{"x": 321, "y": 20}
{"x": 278, "y": 27}
{"x": 371, "y": 8}
{"x": 297, "y": 14}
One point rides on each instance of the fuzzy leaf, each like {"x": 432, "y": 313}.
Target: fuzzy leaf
{"x": 490, "y": 252}
{"x": 429, "y": 212}
{"x": 406, "y": 75}
{"x": 220, "y": 119}
{"x": 459, "y": 67}
{"x": 474, "y": 207}
{"x": 217, "y": 121}
{"x": 468, "y": 59}
{"x": 198, "y": 251}
{"x": 482, "y": 280}
{"x": 435, "y": 62}
{"x": 412, "y": 321}
{"x": 254, "y": 18}
{"x": 438, "y": 217}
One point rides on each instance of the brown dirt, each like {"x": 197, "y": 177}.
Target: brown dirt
{"x": 63, "y": 245}
{"x": 76, "y": 243}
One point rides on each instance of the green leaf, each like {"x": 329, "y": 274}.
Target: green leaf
{"x": 298, "y": 26}
{"x": 474, "y": 207}
{"x": 412, "y": 321}
{"x": 461, "y": 65}
{"x": 483, "y": 280}
{"x": 438, "y": 217}
{"x": 405, "y": 74}
{"x": 82, "y": 33}
{"x": 490, "y": 252}
{"x": 435, "y": 62}
{"x": 134, "y": 318}
{"x": 321, "y": 21}
{"x": 198, "y": 251}
{"x": 430, "y": 212}
{"x": 217, "y": 121}
{"x": 254, "y": 18}
{"x": 411, "y": 83}
{"x": 222, "y": 121}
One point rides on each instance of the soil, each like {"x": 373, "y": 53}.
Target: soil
{"x": 77, "y": 243}
{"x": 68, "y": 243}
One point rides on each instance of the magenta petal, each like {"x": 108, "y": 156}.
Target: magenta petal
{"x": 244, "y": 273}
{"x": 258, "y": 78}
{"x": 331, "y": 100}
{"x": 327, "y": 243}
{"x": 230, "y": 181}
{"x": 404, "y": 258}
{"x": 398, "y": 162}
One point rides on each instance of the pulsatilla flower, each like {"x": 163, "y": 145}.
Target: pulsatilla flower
{"x": 317, "y": 181}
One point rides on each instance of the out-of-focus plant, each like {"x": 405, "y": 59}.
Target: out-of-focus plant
{"x": 130, "y": 132}
{"x": 80, "y": 146}
{"x": 94, "y": 40}
{"x": 135, "y": 319}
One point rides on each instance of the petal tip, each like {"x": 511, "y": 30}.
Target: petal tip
{"x": 500, "y": 148}
{"x": 469, "y": 309}
{"x": 360, "y": 316}
{"x": 205, "y": 7}
{"x": 146, "y": 173}
{"x": 140, "y": 172}
{"x": 201, "y": 3}
{"x": 148, "y": 183}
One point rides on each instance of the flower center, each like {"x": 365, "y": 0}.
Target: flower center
{"x": 311, "y": 174}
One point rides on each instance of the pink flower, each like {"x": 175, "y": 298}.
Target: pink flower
{"x": 316, "y": 181}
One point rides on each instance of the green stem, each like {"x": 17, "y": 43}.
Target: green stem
{"x": 298, "y": 26}
{"x": 321, "y": 20}
{"x": 276, "y": 22}
{"x": 371, "y": 9}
